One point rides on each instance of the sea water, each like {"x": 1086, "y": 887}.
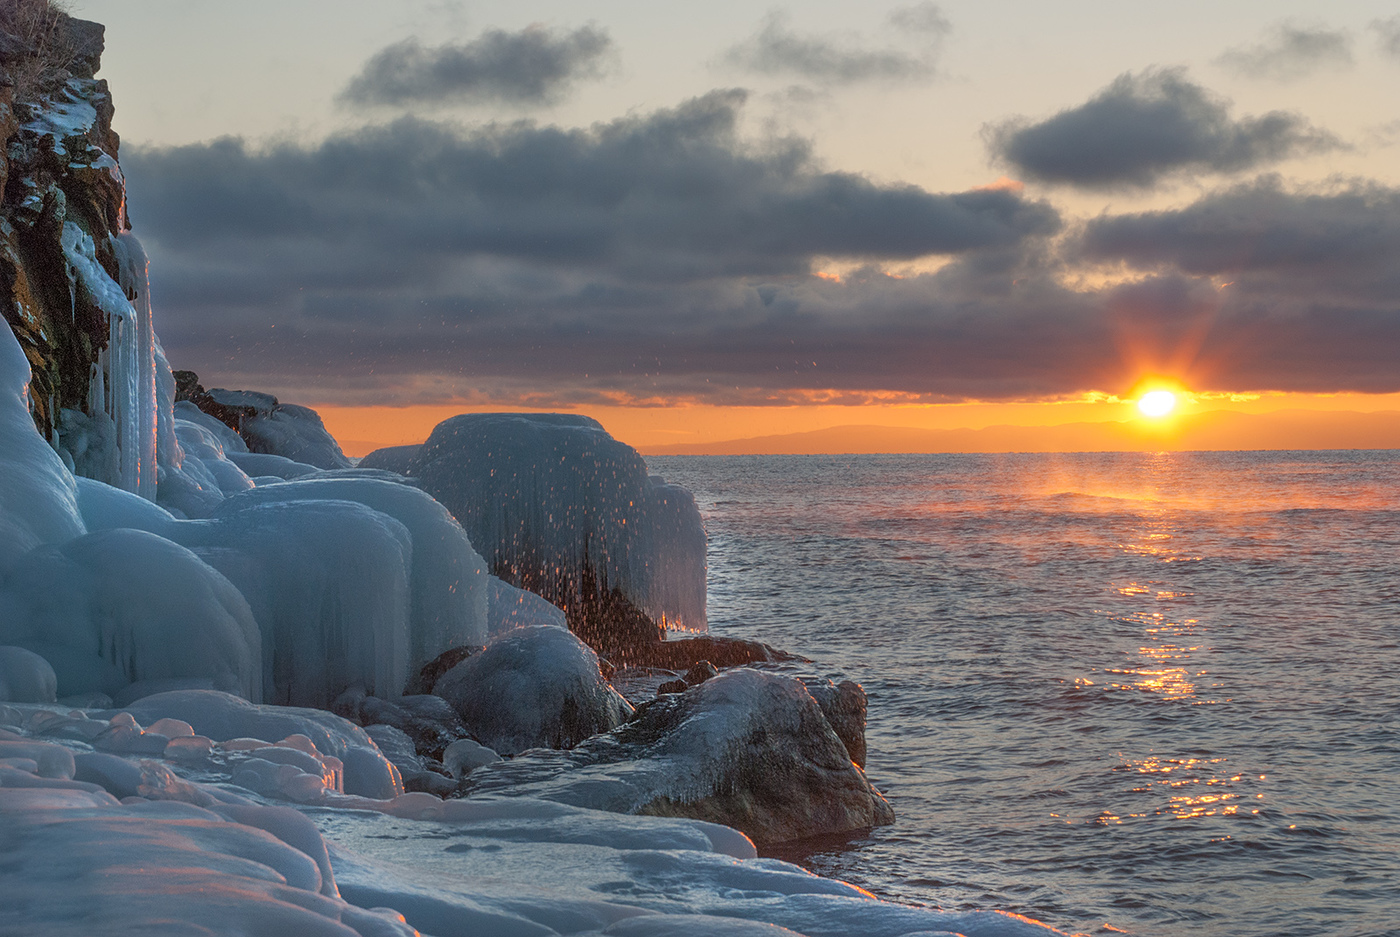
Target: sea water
{"x": 1143, "y": 693}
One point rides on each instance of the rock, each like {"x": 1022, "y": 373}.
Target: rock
{"x": 684, "y": 653}
{"x": 844, "y": 706}
{"x": 747, "y": 749}
{"x": 702, "y": 671}
{"x": 432, "y": 671}
{"x": 530, "y": 688}
{"x": 672, "y": 686}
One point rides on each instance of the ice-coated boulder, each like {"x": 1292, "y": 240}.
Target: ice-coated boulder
{"x": 560, "y": 508}
{"x": 748, "y": 749}
{"x": 266, "y": 425}
{"x": 510, "y": 607}
{"x": 535, "y": 687}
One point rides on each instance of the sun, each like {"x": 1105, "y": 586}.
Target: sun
{"x": 1157, "y": 403}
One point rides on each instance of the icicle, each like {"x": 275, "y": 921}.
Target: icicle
{"x": 135, "y": 282}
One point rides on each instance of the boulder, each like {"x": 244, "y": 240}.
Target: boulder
{"x": 747, "y": 749}
{"x": 534, "y": 687}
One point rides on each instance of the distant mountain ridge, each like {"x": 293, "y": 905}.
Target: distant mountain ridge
{"x": 1214, "y": 429}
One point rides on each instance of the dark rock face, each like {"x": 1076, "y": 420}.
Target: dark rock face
{"x": 58, "y": 168}
{"x": 748, "y": 749}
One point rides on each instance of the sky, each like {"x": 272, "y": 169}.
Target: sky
{"x": 731, "y": 220}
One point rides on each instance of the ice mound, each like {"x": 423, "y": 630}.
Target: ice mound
{"x": 25, "y": 677}
{"x": 510, "y": 607}
{"x": 745, "y": 748}
{"x": 38, "y": 496}
{"x": 533, "y": 687}
{"x": 560, "y": 508}
{"x": 119, "y": 606}
{"x": 448, "y": 582}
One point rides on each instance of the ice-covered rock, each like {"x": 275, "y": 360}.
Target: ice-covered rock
{"x": 117, "y": 606}
{"x": 844, "y": 705}
{"x": 530, "y": 688}
{"x": 429, "y": 721}
{"x": 25, "y": 677}
{"x": 221, "y": 717}
{"x": 38, "y": 495}
{"x": 510, "y": 607}
{"x": 748, "y": 749}
{"x": 560, "y": 508}
{"x": 266, "y": 425}
{"x": 449, "y": 591}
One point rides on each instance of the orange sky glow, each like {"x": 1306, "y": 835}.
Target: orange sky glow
{"x": 1298, "y": 421}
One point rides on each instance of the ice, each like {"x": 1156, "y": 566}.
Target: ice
{"x": 221, "y": 717}
{"x": 38, "y": 495}
{"x": 123, "y": 386}
{"x": 296, "y": 433}
{"x": 328, "y": 584}
{"x": 228, "y": 440}
{"x": 559, "y": 507}
{"x": 448, "y": 579}
{"x": 275, "y": 466}
{"x": 117, "y": 606}
{"x": 533, "y": 687}
{"x": 25, "y": 677}
{"x": 515, "y": 608}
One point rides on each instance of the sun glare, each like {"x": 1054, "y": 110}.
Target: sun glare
{"x": 1157, "y": 403}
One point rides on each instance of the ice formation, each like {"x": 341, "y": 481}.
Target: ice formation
{"x": 559, "y": 507}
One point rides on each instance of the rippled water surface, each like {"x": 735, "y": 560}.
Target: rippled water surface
{"x": 1114, "y": 692}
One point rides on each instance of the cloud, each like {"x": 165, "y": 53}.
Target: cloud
{"x": 776, "y": 49}
{"x": 534, "y": 66}
{"x": 1338, "y": 242}
{"x": 1388, "y": 32}
{"x": 1290, "y": 52}
{"x": 656, "y": 254}
{"x": 1144, "y": 127}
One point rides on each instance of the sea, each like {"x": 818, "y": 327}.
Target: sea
{"x": 1142, "y": 693}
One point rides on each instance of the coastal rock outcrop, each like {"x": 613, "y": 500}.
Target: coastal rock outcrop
{"x": 746, "y": 748}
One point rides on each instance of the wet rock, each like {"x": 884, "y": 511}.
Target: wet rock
{"x": 748, "y": 749}
{"x": 672, "y": 686}
{"x": 844, "y": 706}
{"x": 702, "y": 671}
